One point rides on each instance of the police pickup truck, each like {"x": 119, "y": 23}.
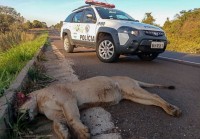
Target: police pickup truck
{"x": 111, "y": 32}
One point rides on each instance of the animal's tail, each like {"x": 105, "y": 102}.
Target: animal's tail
{"x": 148, "y": 85}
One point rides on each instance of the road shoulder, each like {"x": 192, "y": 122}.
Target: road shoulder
{"x": 60, "y": 68}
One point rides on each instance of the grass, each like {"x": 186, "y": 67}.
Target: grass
{"x": 21, "y": 127}
{"x": 37, "y": 79}
{"x": 11, "y": 39}
{"x": 15, "y": 58}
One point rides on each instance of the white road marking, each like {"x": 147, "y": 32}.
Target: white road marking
{"x": 181, "y": 61}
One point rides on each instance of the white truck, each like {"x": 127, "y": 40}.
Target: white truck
{"x": 111, "y": 32}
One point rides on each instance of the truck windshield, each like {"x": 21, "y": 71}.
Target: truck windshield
{"x": 107, "y": 13}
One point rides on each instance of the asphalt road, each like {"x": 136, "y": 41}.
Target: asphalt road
{"x": 136, "y": 121}
{"x": 183, "y": 58}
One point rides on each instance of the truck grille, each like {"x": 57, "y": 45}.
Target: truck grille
{"x": 154, "y": 33}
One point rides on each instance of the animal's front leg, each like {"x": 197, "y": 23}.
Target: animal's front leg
{"x": 141, "y": 96}
{"x": 61, "y": 129}
{"x": 72, "y": 116}
{"x": 59, "y": 122}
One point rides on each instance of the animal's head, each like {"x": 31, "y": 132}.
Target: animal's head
{"x": 30, "y": 107}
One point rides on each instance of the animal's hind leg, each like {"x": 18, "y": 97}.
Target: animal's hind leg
{"x": 141, "y": 96}
{"x": 61, "y": 129}
{"x": 72, "y": 116}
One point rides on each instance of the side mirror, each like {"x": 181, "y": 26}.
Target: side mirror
{"x": 89, "y": 16}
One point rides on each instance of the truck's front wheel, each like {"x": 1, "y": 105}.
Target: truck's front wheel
{"x": 67, "y": 46}
{"x": 106, "y": 50}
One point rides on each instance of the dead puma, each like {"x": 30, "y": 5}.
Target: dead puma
{"x": 61, "y": 103}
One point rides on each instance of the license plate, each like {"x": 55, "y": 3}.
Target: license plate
{"x": 157, "y": 45}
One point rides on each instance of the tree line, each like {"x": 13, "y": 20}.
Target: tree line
{"x": 11, "y": 20}
{"x": 183, "y": 32}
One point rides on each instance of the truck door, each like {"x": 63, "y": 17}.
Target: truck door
{"x": 76, "y": 27}
{"x": 89, "y": 27}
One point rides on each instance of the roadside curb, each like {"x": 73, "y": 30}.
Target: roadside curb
{"x": 179, "y": 61}
{"x": 7, "y": 100}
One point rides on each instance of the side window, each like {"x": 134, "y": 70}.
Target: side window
{"x": 77, "y": 17}
{"x": 89, "y": 20}
{"x": 69, "y": 18}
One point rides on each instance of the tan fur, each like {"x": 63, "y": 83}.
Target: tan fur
{"x": 61, "y": 103}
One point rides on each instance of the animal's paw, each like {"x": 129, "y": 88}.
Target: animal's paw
{"x": 84, "y": 133}
{"x": 65, "y": 132}
{"x": 174, "y": 111}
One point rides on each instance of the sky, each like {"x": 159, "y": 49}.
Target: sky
{"x": 54, "y": 11}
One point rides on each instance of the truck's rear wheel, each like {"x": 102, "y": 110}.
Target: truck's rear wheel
{"x": 148, "y": 56}
{"x": 106, "y": 50}
{"x": 67, "y": 46}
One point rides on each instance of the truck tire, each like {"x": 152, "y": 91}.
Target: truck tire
{"x": 148, "y": 56}
{"x": 106, "y": 50}
{"x": 67, "y": 45}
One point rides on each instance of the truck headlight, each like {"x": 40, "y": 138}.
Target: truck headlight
{"x": 135, "y": 32}
{"x": 128, "y": 30}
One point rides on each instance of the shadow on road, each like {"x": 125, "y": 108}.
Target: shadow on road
{"x": 84, "y": 51}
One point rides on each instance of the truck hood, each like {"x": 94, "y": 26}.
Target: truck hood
{"x": 137, "y": 25}
{"x": 142, "y": 26}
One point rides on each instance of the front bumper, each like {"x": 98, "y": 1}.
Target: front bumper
{"x": 141, "y": 44}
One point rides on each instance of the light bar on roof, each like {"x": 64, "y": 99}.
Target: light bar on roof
{"x": 97, "y": 3}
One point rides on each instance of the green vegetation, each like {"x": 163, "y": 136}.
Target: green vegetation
{"x": 149, "y": 19}
{"x": 184, "y": 32}
{"x": 10, "y": 39}
{"x": 11, "y": 20}
{"x": 18, "y": 128}
{"x": 57, "y": 26}
{"x": 14, "y": 59}
{"x": 37, "y": 79}
{"x": 17, "y": 44}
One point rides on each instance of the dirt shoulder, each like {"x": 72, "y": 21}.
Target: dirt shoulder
{"x": 60, "y": 69}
